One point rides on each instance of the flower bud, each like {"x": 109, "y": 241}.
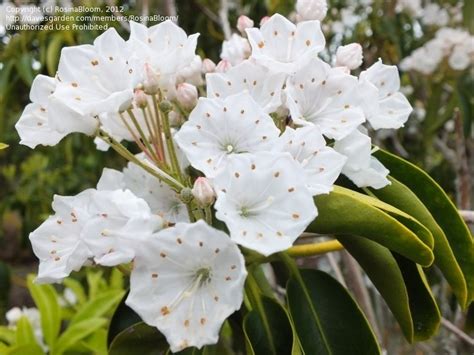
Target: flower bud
{"x": 151, "y": 85}
{"x": 223, "y": 66}
{"x": 186, "y": 195}
{"x": 175, "y": 118}
{"x": 263, "y": 20}
{"x": 13, "y": 315}
{"x": 165, "y": 106}
{"x": 349, "y": 56}
{"x": 203, "y": 192}
{"x": 208, "y": 66}
{"x": 311, "y": 10}
{"x": 187, "y": 95}
{"x": 140, "y": 98}
{"x": 244, "y": 22}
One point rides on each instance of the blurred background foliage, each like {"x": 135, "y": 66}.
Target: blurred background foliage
{"x": 438, "y": 137}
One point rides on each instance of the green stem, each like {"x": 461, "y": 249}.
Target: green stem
{"x": 144, "y": 138}
{"x": 208, "y": 215}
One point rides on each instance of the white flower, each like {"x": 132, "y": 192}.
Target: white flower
{"x": 264, "y": 201}
{"x": 460, "y": 58}
{"x": 34, "y": 126}
{"x": 13, "y": 315}
{"x": 187, "y": 95}
{"x": 263, "y": 85}
{"x": 159, "y": 196}
{"x": 411, "y": 6}
{"x": 192, "y": 74}
{"x": 361, "y": 167}
{"x": 322, "y": 165}
{"x": 235, "y": 50}
{"x": 186, "y": 282}
{"x": 384, "y": 104}
{"x": 243, "y": 22}
{"x": 69, "y": 296}
{"x": 311, "y": 9}
{"x": 220, "y": 128}
{"x": 326, "y": 97}
{"x": 282, "y": 46}
{"x": 349, "y": 56}
{"x": 203, "y": 192}
{"x": 208, "y": 66}
{"x": 433, "y": 14}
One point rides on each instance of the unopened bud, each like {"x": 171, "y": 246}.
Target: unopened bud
{"x": 140, "y": 98}
{"x": 187, "y": 95}
{"x": 349, "y": 56}
{"x": 175, "y": 118}
{"x": 203, "y": 192}
{"x": 151, "y": 85}
{"x": 186, "y": 195}
{"x": 208, "y": 66}
{"x": 263, "y": 20}
{"x": 311, "y": 10}
{"x": 166, "y": 106}
{"x": 223, "y": 66}
{"x": 244, "y": 22}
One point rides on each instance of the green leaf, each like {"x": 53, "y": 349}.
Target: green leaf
{"x": 46, "y": 300}
{"x": 279, "y": 339}
{"x": 326, "y": 318}
{"x": 7, "y": 335}
{"x": 139, "y": 339}
{"x": 442, "y": 210}
{"x": 400, "y": 196}
{"x": 345, "y": 212}
{"x": 77, "y": 288}
{"x": 97, "y": 307}
{"x": 24, "y": 332}
{"x": 3, "y": 146}
{"x": 123, "y": 318}
{"x": 77, "y": 332}
{"x": 30, "y": 349}
{"x": 384, "y": 271}
{"x": 53, "y": 53}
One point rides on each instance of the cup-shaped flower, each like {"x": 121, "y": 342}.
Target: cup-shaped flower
{"x": 326, "y": 97}
{"x": 361, "y": 167}
{"x": 264, "y": 201}
{"x": 218, "y": 129}
{"x": 236, "y": 49}
{"x": 283, "y": 46}
{"x": 322, "y": 164}
{"x": 349, "y": 56}
{"x": 186, "y": 281}
{"x": 385, "y": 106}
{"x": 262, "y": 84}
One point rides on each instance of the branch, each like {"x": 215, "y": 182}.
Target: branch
{"x": 224, "y": 19}
{"x": 455, "y": 330}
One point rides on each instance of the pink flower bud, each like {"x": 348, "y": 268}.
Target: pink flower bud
{"x": 140, "y": 99}
{"x": 223, "y": 66}
{"x": 349, "y": 56}
{"x": 263, "y": 20}
{"x": 187, "y": 95}
{"x": 203, "y": 192}
{"x": 175, "y": 118}
{"x": 208, "y": 66}
{"x": 244, "y": 22}
{"x": 151, "y": 85}
{"x": 311, "y": 10}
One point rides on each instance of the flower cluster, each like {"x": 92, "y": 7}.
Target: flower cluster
{"x": 277, "y": 127}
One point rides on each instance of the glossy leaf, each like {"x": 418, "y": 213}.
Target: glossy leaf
{"x": 123, "y": 318}
{"x": 278, "y": 339}
{"x": 400, "y": 196}
{"x": 139, "y": 339}
{"x": 343, "y": 213}
{"x": 77, "y": 332}
{"x": 24, "y": 332}
{"x": 46, "y": 300}
{"x": 98, "y": 306}
{"x": 326, "y": 318}
{"x": 30, "y": 349}
{"x": 384, "y": 271}
{"x": 442, "y": 210}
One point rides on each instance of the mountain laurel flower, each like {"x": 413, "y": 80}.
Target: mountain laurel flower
{"x": 326, "y": 97}
{"x": 151, "y": 82}
{"x": 187, "y": 95}
{"x": 321, "y": 164}
{"x": 263, "y": 20}
{"x": 203, "y": 192}
{"x": 218, "y": 129}
{"x": 223, "y": 66}
{"x": 263, "y": 200}
{"x": 361, "y": 167}
{"x": 311, "y": 9}
{"x": 384, "y": 105}
{"x": 208, "y": 66}
{"x": 236, "y": 49}
{"x": 349, "y": 56}
{"x": 186, "y": 281}
{"x": 140, "y": 98}
{"x": 243, "y": 22}
{"x": 264, "y": 86}
{"x": 283, "y": 46}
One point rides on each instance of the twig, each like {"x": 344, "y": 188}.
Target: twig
{"x": 224, "y": 18}
{"x": 455, "y": 330}
{"x": 145, "y": 11}
{"x": 337, "y": 270}
{"x": 171, "y": 11}
{"x": 467, "y": 216}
